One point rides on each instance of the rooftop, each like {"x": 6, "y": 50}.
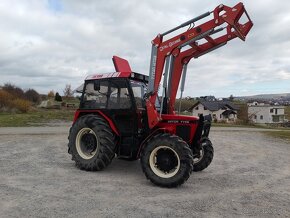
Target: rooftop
{"x": 215, "y": 105}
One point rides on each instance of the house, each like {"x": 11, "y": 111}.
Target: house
{"x": 265, "y": 113}
{"x": 219, "y": 110}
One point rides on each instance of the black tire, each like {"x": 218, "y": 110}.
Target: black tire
{"x": 91, "y": 143}
{"x": 176, "y": 155}
{"x": 205, "y": 158}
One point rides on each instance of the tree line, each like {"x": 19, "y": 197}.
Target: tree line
{"x": 15, "y": 99}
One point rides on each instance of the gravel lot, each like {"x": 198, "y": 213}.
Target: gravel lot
{"x": 250, "y": 176}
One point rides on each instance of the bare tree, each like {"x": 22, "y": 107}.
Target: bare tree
{"x": 67, "y": 92}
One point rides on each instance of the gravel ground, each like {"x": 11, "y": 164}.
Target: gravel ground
{"x": 250, "y": 176}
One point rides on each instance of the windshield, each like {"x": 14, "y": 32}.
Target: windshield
{"x": 139, "y": 90}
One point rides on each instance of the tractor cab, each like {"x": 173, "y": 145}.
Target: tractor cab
{"x": 119, "y": 97}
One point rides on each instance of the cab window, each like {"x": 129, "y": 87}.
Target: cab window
{"x": 95, "y": 98}
{"x": 119, "y": 97}
{"x": 139, "y": 90}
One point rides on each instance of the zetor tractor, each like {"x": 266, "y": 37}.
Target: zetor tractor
{"x": 120, "y": 113}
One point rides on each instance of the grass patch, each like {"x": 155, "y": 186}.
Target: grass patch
{"x": 279, "y": 134}
{"x": 33, "y": 118}
{"x": 234, "y": 125}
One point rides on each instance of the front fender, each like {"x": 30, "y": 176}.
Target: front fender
{"x": 152, "y": 134}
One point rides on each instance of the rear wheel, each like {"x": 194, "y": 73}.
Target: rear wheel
{"x": 203, "y": 159}
{"x": 167, "y": 160}
{"x": 91, "y": 143}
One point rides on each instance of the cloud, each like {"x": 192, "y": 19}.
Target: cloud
{"x": 47, "y": 44}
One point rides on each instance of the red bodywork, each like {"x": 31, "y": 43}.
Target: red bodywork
{"x": 121, "y": 65}
{"x": 170, "y": 121}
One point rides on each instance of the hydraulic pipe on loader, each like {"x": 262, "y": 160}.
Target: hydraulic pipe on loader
{"x": 187, "y": 23}
{"x": 182, "y": 85}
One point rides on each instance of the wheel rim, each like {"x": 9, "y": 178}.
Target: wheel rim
{"x": 198, "y": 159}
{"x": 164, "y": 162}
{"x": 87, "y": 143}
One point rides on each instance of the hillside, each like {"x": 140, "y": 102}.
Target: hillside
{"x": 265, "y": 96}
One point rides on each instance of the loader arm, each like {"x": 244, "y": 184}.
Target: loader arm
{"x": 196, "y": 50}
{"x": 170, "y": 53}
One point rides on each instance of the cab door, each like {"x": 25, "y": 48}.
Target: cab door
{"x": 120, "y": 106}
{"x": 121, "y": 109}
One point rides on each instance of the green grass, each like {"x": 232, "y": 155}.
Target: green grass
{"x": 279, "y": 134}
{"x": 33, "y": 118}
{"x": 235, "y": 125}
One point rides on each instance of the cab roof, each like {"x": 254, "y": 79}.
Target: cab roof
{"x": 123, "y": 70}
{"x": 109, "y": 75}
{"x": 131, "y": 75}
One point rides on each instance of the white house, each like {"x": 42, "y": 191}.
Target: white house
{"x": 265, "y": 113}
{"x": 219, "y": 110}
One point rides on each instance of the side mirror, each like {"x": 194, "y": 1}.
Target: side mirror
{"x": 97, "y": 85}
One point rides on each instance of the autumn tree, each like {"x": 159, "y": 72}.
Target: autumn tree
{"x": 50, "y": 94}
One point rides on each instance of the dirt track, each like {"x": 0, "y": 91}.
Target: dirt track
{"x": 250, "y": 176}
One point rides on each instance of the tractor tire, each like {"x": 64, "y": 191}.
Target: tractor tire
{"x": 205, "y": 157}
{"x": 91, "y": 143}
{"x": 167, "y": 160}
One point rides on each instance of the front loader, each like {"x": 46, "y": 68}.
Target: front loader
{"x": 121, "y": 115}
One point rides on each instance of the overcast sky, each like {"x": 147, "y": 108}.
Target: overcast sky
{"x": 45, "y": 44}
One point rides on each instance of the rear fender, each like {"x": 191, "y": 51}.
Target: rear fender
{"x": 80, "y": 113}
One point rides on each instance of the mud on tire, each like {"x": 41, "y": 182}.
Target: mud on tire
{"x": 167, "y": 160}
{"x": 91, "y": 143}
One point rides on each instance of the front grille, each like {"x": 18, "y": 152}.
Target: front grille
{"x": 183, "y": 132}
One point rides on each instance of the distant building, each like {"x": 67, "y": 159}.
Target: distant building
{"x": 219, "y": 110}
{"x": 265, "y": 113}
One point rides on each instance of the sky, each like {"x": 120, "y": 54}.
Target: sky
{"x": 46, "y": 44}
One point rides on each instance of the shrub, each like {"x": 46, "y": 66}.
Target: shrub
{"x": 21, "y": 105}
{"x": 57, "y": 97}
{"x": 5, "y": 99}
{"x": 14, "y": 90}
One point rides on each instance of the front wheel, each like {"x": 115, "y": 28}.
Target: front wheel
{"x": 167, "y": 160}
{"x": 203, "y": 159}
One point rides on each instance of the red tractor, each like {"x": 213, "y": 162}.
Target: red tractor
{"x": 120, "y": 113}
